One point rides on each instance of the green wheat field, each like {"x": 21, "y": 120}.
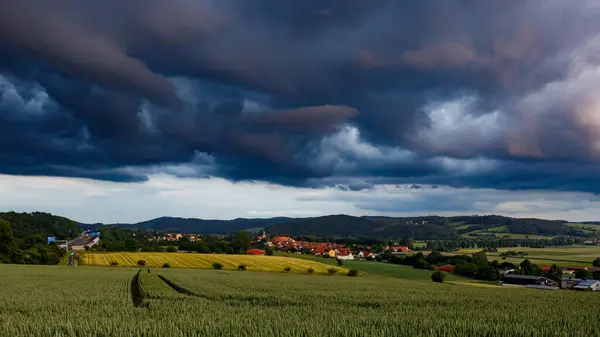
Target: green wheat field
{"x": 103, "y": 301}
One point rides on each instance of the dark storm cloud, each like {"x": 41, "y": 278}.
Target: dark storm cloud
{"x": 348, "y": 93}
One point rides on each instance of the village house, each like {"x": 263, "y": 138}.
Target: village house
{"x": 398, "y": 249}
{"x": 345, "y": 256}
{"x": 281, "y": 241}
{"x": 192, "y": 237}
{"x": 319, "y": 251}
{"x": 365, "y": 254}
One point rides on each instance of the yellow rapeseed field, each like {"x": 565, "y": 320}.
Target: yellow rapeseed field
{"x": 205, "y": 261}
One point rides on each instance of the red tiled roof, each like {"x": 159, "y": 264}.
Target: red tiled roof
{"x": 255, "y": 252}
{"x": 320, "y": 250}
{"x": 447, "y": 268}
{"x": 281, "y": 239}
{"x": 545, "y": 268}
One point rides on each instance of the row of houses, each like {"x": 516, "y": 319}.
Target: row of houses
{"x": 330, "y": 249}
{"x": 568, "y": 270}
{"x": 592, "y": 242}
{"x": 175, "y": 237}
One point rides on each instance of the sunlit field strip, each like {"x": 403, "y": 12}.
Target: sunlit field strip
{"x": 205, "y": 261}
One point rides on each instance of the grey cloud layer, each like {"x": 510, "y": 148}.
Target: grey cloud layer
{"x": 498, "y": 94}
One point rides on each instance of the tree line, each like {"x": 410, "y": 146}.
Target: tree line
{"x": 477, "y": 265}
{"x": 30, "y": 249}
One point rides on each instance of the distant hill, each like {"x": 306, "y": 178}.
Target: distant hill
{"x": 372, "y": 227}
{"x": 423, "y": 228}
{"x": 419, "y": 228}
{"x": 199, "y": 226}
{"x": 25, "y": 225}
{"x": 28, "y": 242}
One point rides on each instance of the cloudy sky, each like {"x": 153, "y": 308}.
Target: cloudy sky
{"x": 123, "y": 111}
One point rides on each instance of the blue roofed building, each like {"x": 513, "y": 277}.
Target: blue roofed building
{"x": 589, "y": 285}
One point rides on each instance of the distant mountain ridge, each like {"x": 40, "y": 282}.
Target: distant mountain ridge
{"x": 419, "y": 228}
{"x": 198, "y": 226}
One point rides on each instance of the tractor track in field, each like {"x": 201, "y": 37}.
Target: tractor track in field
{"x": 136, "y": 294}
{"x": 180, "y": 289}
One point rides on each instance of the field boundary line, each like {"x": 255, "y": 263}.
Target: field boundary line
{"x": 543, "y": 259}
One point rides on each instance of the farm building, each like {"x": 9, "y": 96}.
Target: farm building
{"x": 545, "y": 268}
{"x": 569, "y": 282}
{"x": 255, "y": 252}
{"x": 526, "y": 280}
{"x": 589, "y": 285}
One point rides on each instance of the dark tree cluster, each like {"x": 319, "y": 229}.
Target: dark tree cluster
{"x": 23, "y": 237}
{"x": 493, "y": 243}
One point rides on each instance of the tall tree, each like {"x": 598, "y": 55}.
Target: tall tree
{"x": 480, "y": 258}
{"x": 7, "y": 241}
{"x": 241, "y": 241}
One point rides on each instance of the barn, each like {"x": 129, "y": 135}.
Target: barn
{"x": 589, "y": 285}
{"x": 526, "y": 280}
{"x": 255, "y": 252}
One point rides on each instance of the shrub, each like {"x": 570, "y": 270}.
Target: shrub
{"x": 114, "y": 263}
{"x": 332, "y": 271}
{"x": 242, "y": 267}
{"x": 269, "y": 251}
{"x": 287, "y": 269}
{"x": 217, "y": 266}
{"x": 438, "y": 276}
{"x": 352, "y": 272}
{"x": 171, "y": 249}
{"x": 582, "y": 273}
{"x": 311, "y": 271}
{"x": 141, "y": 263}
{"x": 166, "y": 265}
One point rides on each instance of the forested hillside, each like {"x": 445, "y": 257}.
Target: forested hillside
{"x": 23, "y": 237}
{"x": 421, "y": 228}
{"x": 375, "y": 227}
{"x": 201, "y": 226}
